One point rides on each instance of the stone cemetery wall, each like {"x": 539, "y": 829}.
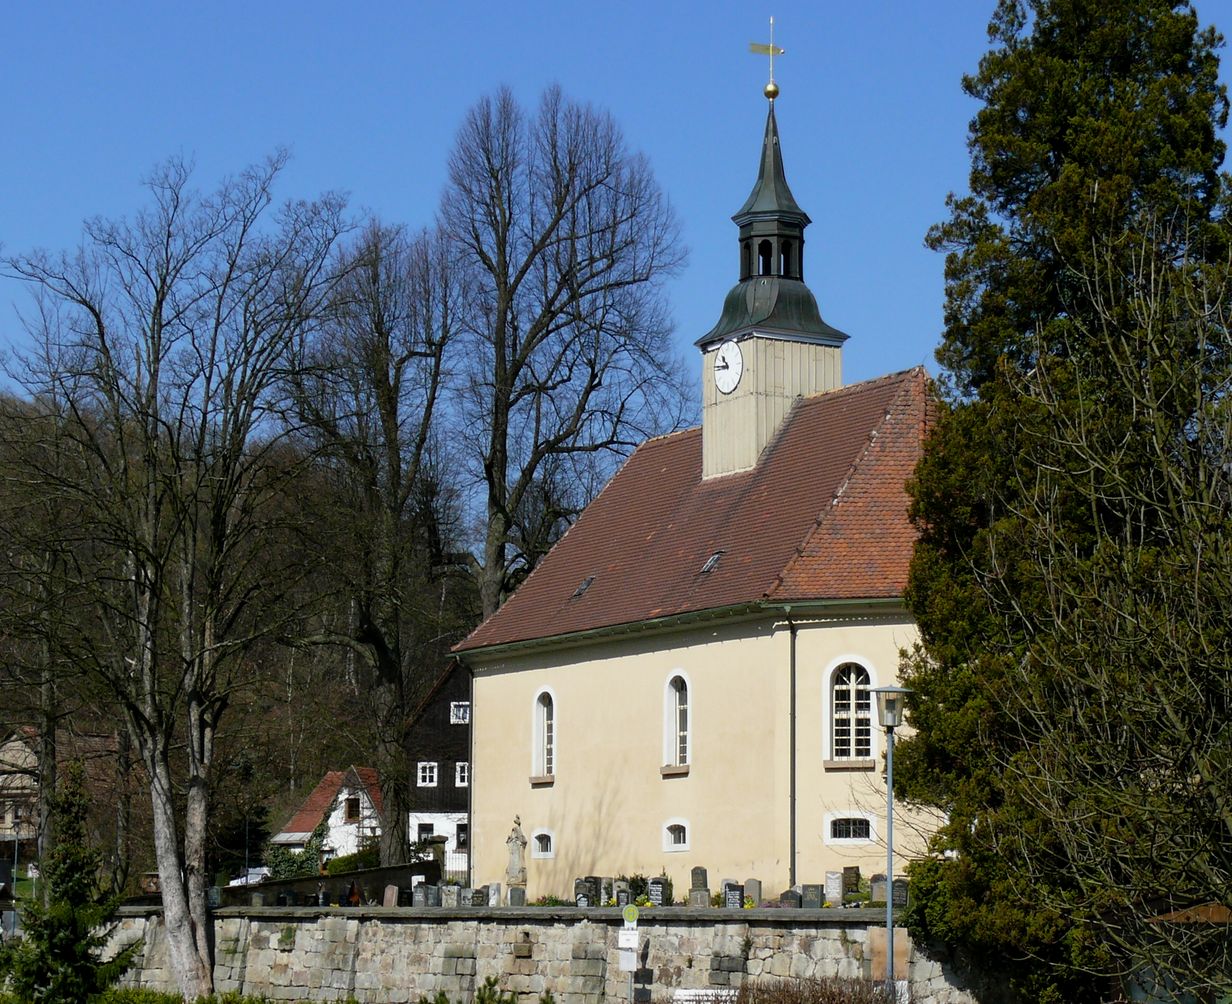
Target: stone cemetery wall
{"x": 397, "y": 954}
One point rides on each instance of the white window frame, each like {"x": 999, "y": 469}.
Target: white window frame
{"x": 828, "y": 711}
{"x": 674, "y": 738}
{"x": 830, "y": 818}
{"x": 462, "y": 774}
{"x": 428, "y": 774}
{"x": 459, "y": 712}
{"x": 545, "y": 733}
{"x": 669, "y": 844}
{"x": 535, "y": 852}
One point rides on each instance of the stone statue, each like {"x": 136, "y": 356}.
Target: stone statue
{"x": 515, "y": 874}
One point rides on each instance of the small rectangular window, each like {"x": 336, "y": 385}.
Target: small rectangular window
{"x": 459, "y": 712}
{"x": 850, "y": 828}
{"x": 351, "y": 809}
{"x": 461, "y": 774}
{"x": 424, "y": 832}
{"x": 427, "y": 773}
{"x": 464, "y": 836}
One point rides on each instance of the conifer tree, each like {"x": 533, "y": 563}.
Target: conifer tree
{"x": 1071, "y": 688}
{"x": 60, "y": 955}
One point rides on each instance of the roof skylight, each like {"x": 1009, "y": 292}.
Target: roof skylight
{"x": 712, "y": 562}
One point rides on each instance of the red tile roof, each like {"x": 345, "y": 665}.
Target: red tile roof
{"x": 823, "y": 515}
{"x": 317, "y": 804}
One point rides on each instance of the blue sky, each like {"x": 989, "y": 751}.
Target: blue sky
{"x": 368, "y": 96}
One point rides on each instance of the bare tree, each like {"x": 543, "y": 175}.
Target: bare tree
{"x": 163, "y": 338}
{"x": 365, "y": 393}
{"x": 563, "y": 241}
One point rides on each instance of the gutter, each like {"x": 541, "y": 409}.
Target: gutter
{"x": 671, "y": 622}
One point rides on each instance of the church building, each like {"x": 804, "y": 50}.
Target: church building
{"x": 685, "y": 678}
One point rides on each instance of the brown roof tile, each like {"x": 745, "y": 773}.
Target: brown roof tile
{"x": 318, "y": 802}
{"x": 822, "y": 515}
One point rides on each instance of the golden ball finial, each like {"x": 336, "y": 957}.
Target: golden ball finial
{"x": 771, "y": 91}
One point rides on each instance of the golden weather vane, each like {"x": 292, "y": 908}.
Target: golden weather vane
{"x": 763, "y": 49}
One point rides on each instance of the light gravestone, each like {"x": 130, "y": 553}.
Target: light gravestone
{"x": 494, "y": 894}
{"x": 420, "y": 896}
{"x": 752, "y": 890}
{"x": 391, "y": 896}
{"x": 449, "y": 896}
{"x": 433, "y": 894}
{"x": 834, "y": 888}
{"x": 878, "y": 887}
{"x": 466, "y": 896}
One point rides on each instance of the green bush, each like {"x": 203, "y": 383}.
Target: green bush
{"x": 369, "y": 857}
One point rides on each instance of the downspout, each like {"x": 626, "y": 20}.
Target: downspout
{"x": 470, "y": 780}
{"x": 791, "y": 784}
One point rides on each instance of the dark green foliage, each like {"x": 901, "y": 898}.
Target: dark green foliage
{"x": 284, "y": 863}
{"x": 1070, "y": 582}
{"x": 59, "y": 958}
{"x": 369, "y": 857}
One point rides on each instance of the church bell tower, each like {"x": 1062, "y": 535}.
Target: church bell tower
{"x": 770, "y": 346}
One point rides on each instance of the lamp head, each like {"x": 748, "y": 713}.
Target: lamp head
{"x": 890, "y": 705}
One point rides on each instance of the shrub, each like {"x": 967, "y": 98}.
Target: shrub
{"x": 829, "y": 991}
{"x": 368, "y": 857}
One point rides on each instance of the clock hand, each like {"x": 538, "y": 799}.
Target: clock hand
{"x": 721, "y": 365}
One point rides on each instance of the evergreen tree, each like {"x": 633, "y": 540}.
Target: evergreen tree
{"x": 59, "y": 958}
{"x": 1071, "y": 684}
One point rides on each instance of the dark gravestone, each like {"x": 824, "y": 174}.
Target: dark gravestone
{"x": 581, "y": 901}
{"x": 623, "y": 897}
{"x": 583, "y": 888}
{"x": 517, "y": 895}
{"x": 851, "y": 880}
{"x": 281, "y": 900}
{"x": 789, "y": 898}
{"x": 406, "y": 897}
{"x": 733, "y": 896}
{"x": 420, "y": 895}
{"x": 6, "y": 872}
{"x": 432, "y": 895}
{"x": 479, "y": 897}
{"x": 654, "y": 889}
{"x": 900, "y": 892}
{"x": 698, "y": 878}
{"x": 810, "y": 897}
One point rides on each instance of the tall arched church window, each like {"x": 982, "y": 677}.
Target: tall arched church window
{"x": 544, "y": 764}
{"x": 678, "y": 711}
{"x": 851, "y": 710}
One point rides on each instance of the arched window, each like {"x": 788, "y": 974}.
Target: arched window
{"x": 851, "y": 714}
{"x": 544, "y": 763}
{"x": 542, "y": 844}
{"x": 677, "y": 726}
{"x": 746, "y": 265}
{"x": 676, "y": 835}
{"x": 786, "y": 265}
{"x": 765, "y": 258}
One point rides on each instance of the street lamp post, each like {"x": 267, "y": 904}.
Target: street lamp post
{"x": 890, "y": 713}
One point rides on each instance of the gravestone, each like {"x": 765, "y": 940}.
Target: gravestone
{"x": 623, "y": 897}
{"x": 257, "y": 899}
{"x": 752, "y": 890}
{"x": 698, "y": 877}
{"x": 583, "y": 894}
{"x": 406, "y": 897}
{"x": 877, "y": 887}
{"x": 608, "y": 892}
{"x": 596, "y": 890}
{"x": 480, "y": 896}
{"x": 517, "y": 895}
{"x": 281, "y": 900}
{"x": 466, "y": 897}
{"x": 834, "y": 888}
{"x": 433, "y": 896}
{"x": 810, "y": 897}
{"x": 494, "y": 894}
{"x": 6, "y": 872}
{"x": 900, "y": 887}
{"x": 449, "y": 896}
{"x": 733, "y": 896}
{"x": 789, "y": 898}
{"x": 699, "y": 893}
{"x": 420, "y": 895}
{"x": 619, "y": 886}
{"x": 655, "y": 889}
{"x": 851, "y": 879}
{"x": 391, "y": 896}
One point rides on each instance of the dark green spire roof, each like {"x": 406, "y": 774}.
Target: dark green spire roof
{"x": 771, "y": 297}
{"x": 771, "y": 195}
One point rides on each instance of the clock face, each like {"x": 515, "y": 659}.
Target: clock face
{"x": 728, "y": 367}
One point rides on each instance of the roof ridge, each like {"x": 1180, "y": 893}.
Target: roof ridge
{"x": 870, "y": 441}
